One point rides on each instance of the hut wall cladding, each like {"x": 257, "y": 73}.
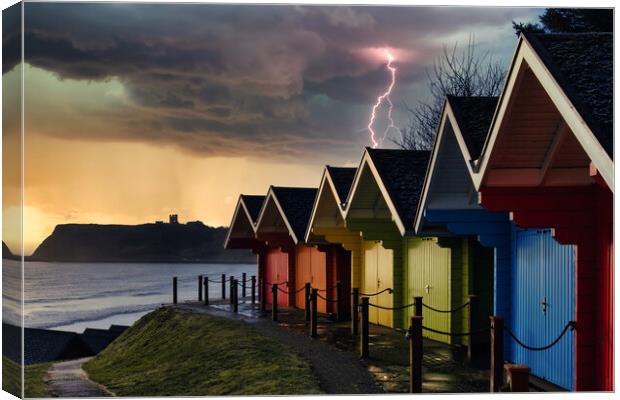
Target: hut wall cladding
{"x": 351, "y": 243}
{"x": 580, "y": 216}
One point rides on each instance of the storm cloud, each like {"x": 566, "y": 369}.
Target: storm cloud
{"x": 240, "y": 80}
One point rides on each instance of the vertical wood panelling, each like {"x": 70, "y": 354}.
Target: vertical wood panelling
{"x": 544, "y": 271}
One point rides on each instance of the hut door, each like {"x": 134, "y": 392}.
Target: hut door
{"x": 303, "y": 273}
{"x": 319, "y": 277}
{"x": 543, "y": 295}
{"x": 384, "y": 280}
{"x": 370, "y": 276}
{"x": 276, "y": 271}
{"x": 435, "y": 287}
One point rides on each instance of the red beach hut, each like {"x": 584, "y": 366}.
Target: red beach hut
{"x": 548, "y": 160}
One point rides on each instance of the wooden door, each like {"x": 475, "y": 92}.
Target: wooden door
{"x": 303, "y": 273}
{"x": 385, "y": 268}
{"x": 276, "y": 271}
{"x": 369, "y": 276}
{"x": 318, "y": 276}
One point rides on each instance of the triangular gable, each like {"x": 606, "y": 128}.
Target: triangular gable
{"x": 331, "y": 196}
{"x": 575, "y": 71}
{"x": 242, "y": 225}
{"x": 399, "y": 177}
{"x": 287, "y": 208}
{"x": 464, "y": 124}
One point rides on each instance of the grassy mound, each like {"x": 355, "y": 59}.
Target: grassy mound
{"x": 171, "y": 352}
{"x": 33, "y": 376}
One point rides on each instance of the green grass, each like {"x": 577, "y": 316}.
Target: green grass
{"x": 33, "y": 376}
{"x": 171, "y": 352}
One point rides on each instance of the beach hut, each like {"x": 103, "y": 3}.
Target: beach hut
{"x": 548, "y": 161}
{"x": 449, "y": 210}
{"x": 383, "y": 197}
{"x": 327, "y": 225}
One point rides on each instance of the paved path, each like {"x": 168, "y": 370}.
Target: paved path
{"x": 339, "y": 372}
{"x": 68, "y": 379}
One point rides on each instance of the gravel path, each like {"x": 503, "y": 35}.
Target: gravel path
{"x": 68, "y": 379}
{"x": 339, "y": 372}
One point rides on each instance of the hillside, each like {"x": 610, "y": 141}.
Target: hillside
{"x": 193, "y": 241}
{"x": 175, "y": 353}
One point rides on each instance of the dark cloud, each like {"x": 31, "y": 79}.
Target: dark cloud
{"x": 240, "y": 79}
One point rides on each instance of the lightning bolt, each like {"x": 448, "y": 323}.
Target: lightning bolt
{"x": 376, "y": 142}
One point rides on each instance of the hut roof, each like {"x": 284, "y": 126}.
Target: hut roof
{"x": 253, "y": 204}
{"x": 474, "y": 116}
{"x": 582, "y": 64}
{"x": 402, "y": 174}
{"x": 342, "y": 178}
{"x": 296, "y": 205}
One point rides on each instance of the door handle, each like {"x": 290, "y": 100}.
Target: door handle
{"x": 544, "y": 305}
{"x": 427, "y": 288}
{"x": 378, "y": 283}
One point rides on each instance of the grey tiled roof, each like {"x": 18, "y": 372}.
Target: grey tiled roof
{"x": 582, "y": 63}
{"x": 473, "y": 115}
{"x": 297, "y": 206}
{"x": 343, "y": 179}
{"x": 402, "y": 172}
{"x": 253, "y": 204}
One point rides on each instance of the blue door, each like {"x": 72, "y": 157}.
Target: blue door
{"x": 543, "y": 298}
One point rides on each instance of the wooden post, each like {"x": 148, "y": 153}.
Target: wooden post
{"x": 339, "y": 314}
{"x": 417, "y": 301}
{"x": 355, "y": 299}
{"x": 231, "y": 281}
{"x": 307, "y": 306}
{"x": 174, "y": 290}
{"x": 415, "y": 355}
{"x": 224, "y": 286}
{"x": 365, "y": 329}
{"x": 474, "y": 350}
{"x": 263, "y": 295}
{"x": 274, "y": 302}
{"x": 497, "y": 353}
{"x": 253, "y": 289}
{"x": 518, "y": 377}
{"x": 313, "y": 313}
{"x": 206, "y": 283}
{"x": 235, "y": 295}
{"x": 243, "y": 281}
{"x": 199, "y": 287}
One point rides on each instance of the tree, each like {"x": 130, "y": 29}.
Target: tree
{"x": 458, "y": 73}
{"x": 569, "y": 20}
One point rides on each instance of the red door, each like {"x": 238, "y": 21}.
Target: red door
{"x": 319, "y": 276}
{"x": 276, "y": 271}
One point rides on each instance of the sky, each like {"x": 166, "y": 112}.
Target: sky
{"x": 136, "y": 111}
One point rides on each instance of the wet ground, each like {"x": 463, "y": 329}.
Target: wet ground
{"x": 444, "y": 367}
{"x": 68, "y": 379}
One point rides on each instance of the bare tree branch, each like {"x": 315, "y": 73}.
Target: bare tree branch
{"x": 458, "y": 73}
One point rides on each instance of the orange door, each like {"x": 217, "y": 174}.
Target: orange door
{"x": 319, "y": 276}
{"x": 303, "y": 273}
{"x": 276, "y": 271}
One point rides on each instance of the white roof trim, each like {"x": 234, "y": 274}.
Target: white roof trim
{"x": 271, "y": 195}
{"x": 326, "y": 178}
{"x": 526, "y": 54}
{"x": 240, "y": 204}
{"x": 367, "y": 160}
{"x": 447, "y": 116}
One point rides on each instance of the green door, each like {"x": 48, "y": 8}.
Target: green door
{"x": 429, "y": 277}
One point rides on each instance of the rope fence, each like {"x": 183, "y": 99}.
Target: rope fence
{"x": 390, "y": 290}
{"x": 391, "y": 308}
{"x": 569, "y": 325}
{"x": 445, "y": 311}
{"x": 289, "y": 292}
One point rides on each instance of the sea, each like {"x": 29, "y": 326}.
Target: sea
{"x": 75, "y": 296}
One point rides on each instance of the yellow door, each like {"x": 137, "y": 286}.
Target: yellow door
{"x": 369, "y": 276}
{"x": 385, "y": 275}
